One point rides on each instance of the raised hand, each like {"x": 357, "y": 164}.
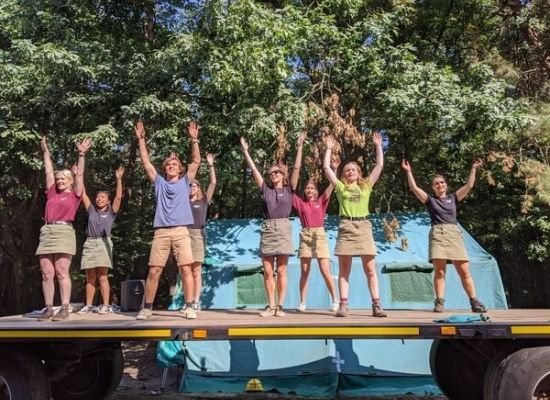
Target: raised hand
{"x": 406, "y": 166}
{"x": 193, "y": 129}
{"x": 74, "y": 169}
{"x": 139, "y": 129}
{"x": 477, "y": 163}
{"x": 330, "y": 142}
{"x": 210, "y": 158}
{"x": 44, "y": 145}
{"x": 301, "y": 138}
{"x": 377, "y": 138}
{"x": 119, "y": 172}
{"x": 244, "y": 144}
{"x": 84, "y": 145}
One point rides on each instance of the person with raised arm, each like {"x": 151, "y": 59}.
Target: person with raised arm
{"x": 199, "y": 207}
{"x": 355, "y": 236}
{"x": 172, "y": 217}
{"x": 57, "y": 243}
{"x": 312, "y": 210}
{"x": 445, "y": 240}
{"x": 276, "y": 232}
{"x": 97, "y": 252}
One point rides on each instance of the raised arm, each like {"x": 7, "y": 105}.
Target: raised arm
{"x": 377, "y": 170}
{"x": 83, "y": 146}
{"x": 298, "y": 161}
{"x": 255, "y": 173}
{"x": 119, "y": 173}
{"x": 85, "y": 199}
{"x": 48, "y": 165}
{"x": 212, "y": 171}
{"x": 334, "y": 164}
{"x": 149, "y": 168}
{"x": 329, "y": 173}
{"x": 193, "y": 133}
{"x": 419, "y": 193}
{"x": 464, "y": 190}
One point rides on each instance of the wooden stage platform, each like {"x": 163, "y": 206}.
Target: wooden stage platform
{"x": 314, "y": 324}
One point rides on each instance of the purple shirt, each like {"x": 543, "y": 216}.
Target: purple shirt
{"x": 199, "y": 208}
{"x": 277, "y": 202}
{"x": 100, "y": 223}
{"x": 173, "y": 205}
{"x": 312, "y": 213}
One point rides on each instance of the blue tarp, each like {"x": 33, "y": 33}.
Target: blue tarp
{"x": 232, "y": 278}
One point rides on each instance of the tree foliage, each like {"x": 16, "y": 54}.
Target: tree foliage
{"x": 448, "y": 81}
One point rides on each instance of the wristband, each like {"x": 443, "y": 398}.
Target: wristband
{"x": 195, "y": 141}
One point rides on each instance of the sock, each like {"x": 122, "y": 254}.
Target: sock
{"x": 149, "y": 306}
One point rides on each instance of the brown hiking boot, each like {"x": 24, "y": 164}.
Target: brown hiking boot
{"x": 343, "y": 310}
{"x": 477, "y": 306}
{"x": 62, "y": 314}
{"x": 439, "y": 305}
{"x": 46, "y": 315}
{"x": 377, "y": 310}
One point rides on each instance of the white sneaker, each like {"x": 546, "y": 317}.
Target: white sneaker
{"x": 334, "y": 306}
{"x": 301, "y": 307}
{"x": 191, "y": 313}
{"x": 86, "y": 310}
{"x": 144, "y": 313}
{"x": 104, "y": 309}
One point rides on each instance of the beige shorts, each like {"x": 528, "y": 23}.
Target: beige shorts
{"x": 313, "y": 243}
{"x": 276, "y": 237}
{"x": 97, "y": 252}
{"x": 174, "y": 239}
{"x": 446, "y": 243}
{"x": 197, "y": 244}
{"x": 355, "y": 238}
{"x": 56, "y": 239}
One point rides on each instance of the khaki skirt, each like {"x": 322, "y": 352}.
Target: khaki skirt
{"x": 276, "y": 238}
{"x": 355, "y": 238}
{"x": 446, "y": 243}
{"x": 313, "y": 243}
{"x": 197, "y": 244}
{"x": 56, "y": 239}
{"x": 97, "y": 252}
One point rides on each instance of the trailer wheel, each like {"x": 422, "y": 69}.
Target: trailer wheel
{"x": 524, "y": 374}
{"x": 488, "y": 383}
{"x": 22, "y": 377}
{"x": 458, "y": 367}
{"x": 92, "y": 379}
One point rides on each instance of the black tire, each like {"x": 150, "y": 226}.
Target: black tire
{"x": 458, "y": 367}
{"x": 488, "y": 383}
{"x": 523, "y": 375}
{"x": 92, "y": 379}
{"x": 22, "y": 376}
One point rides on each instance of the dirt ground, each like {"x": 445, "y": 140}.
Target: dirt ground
{"x": 143, "y": 380}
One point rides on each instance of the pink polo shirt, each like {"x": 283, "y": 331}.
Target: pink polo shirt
{"x": 60, "y": 206}
{"x": 312, "y": 213}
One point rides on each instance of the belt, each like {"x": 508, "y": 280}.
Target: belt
{"x": 355, "y": 218}
{"x": 59, "y": 223}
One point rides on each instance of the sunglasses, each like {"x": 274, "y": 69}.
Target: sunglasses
{"x": 276, "y": 172}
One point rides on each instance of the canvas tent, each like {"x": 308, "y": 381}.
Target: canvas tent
{"x": 232, "y": 278}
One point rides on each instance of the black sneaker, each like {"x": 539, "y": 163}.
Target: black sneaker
{"x": 439, "y": 305}
{"x": 477, "y": 306}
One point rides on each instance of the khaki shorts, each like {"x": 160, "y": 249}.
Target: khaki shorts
{"x": 276, "y": 238}
{"x": 97, "y": 252}
{"x": 313, "y": 243}
{"x": 174, "y": 239}
{"x": 355, "y": 238}
{"x": 56, "y": 239}
{"x": 446, "y": 243}
{"x": 197, "y": 244}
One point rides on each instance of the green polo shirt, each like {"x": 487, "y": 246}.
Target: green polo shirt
{"x": 353, "y": 201}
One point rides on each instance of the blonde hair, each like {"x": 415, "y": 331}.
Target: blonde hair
{"x": 315, "y": 185}
{"x": 170, "y": 158}
{"x": 66, "y": 173}
{"x": 361, "y": 182}
{"x": 283, "y": 168}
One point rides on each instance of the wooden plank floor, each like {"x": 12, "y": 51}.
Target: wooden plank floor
{"x": 241, "y": 318}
